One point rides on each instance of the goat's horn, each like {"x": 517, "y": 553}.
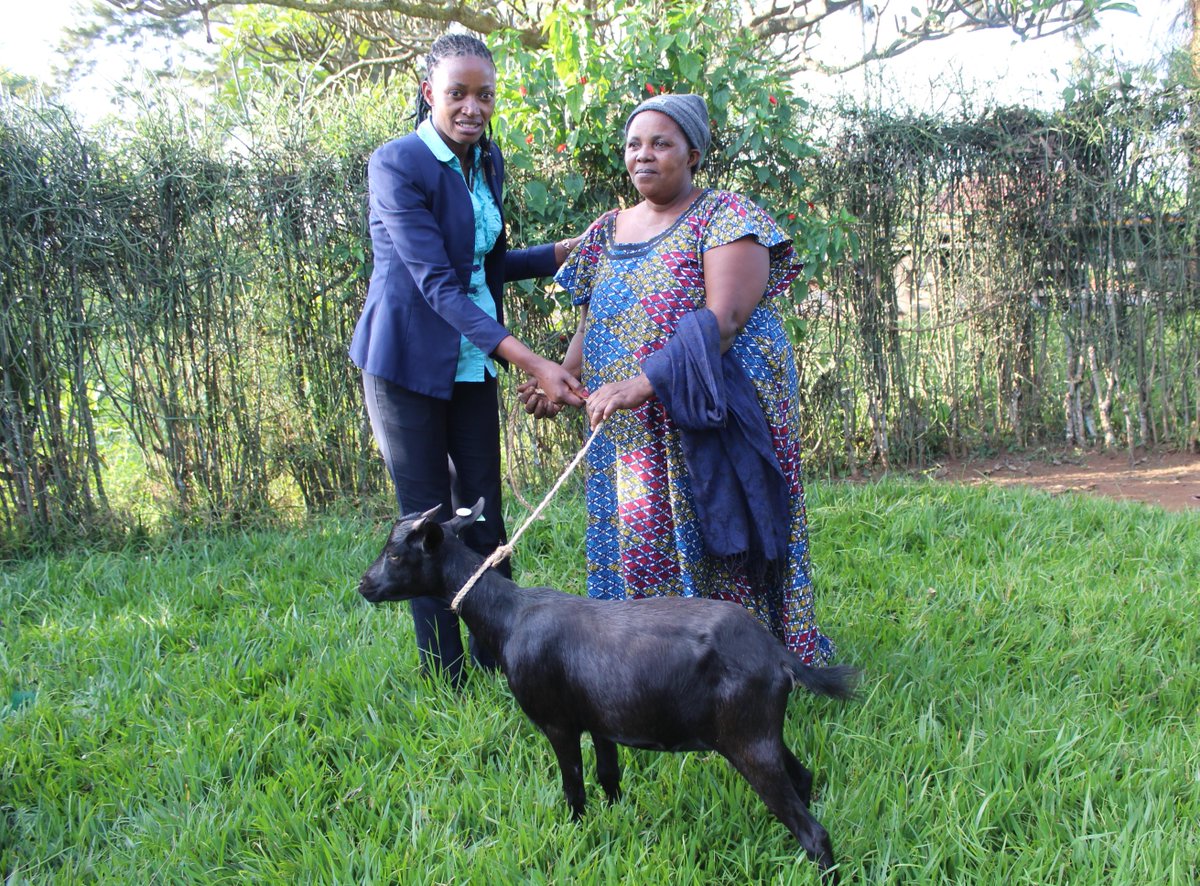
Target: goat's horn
{"x": 465, "y": 517}
{"x": 428, "y": 515}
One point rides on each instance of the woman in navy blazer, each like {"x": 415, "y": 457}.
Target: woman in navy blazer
{"x": 432, "y": 328}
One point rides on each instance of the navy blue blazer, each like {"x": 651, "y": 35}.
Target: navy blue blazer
{"x": 423, "y": 235}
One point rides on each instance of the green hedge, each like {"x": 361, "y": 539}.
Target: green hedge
{"x": 178, "y": 297}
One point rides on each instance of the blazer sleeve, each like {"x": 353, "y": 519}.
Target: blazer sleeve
{"x": 526, "y": 264}
{"x": 401, "y": 200}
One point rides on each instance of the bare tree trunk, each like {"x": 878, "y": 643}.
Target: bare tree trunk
{"x": 1105, "y": 384}
{"x": 1191, "y": 143}
{"x": 1194, "y": 10}
{"x": 1076, "y": 432}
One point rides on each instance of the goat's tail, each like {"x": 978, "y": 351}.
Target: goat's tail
{"x": 839, "y": 681}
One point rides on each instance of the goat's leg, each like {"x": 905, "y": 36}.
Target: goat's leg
{"x": 801, "y": 778}
{"x": 762, "y": 764}
{"x": 608, "y": 768}
{"x": 570, "y": 763}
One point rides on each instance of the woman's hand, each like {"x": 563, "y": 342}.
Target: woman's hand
{"x": 564, "y": 248}
{"x": 535, "y": 402}
{"x": 627, "y": 394}
{"x": 535, "y": 399}
{"x": 556, "y": 384}
{"x": 551, "y": 380}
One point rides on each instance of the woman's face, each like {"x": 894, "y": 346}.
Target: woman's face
{"x": 658, "y": 157}
{"x": 461, "y": 92}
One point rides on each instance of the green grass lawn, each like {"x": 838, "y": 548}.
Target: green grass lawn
{"x": 229, "y": 710}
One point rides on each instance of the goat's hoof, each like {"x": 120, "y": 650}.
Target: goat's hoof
{"x": 829, "y": 872}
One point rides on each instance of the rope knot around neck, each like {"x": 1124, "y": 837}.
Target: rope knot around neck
{"x": 506, "y": 550}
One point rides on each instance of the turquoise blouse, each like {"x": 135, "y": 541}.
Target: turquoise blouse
{"x": 473, "y": 364}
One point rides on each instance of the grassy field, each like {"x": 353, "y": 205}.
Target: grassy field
{"x": 228, "y": 710}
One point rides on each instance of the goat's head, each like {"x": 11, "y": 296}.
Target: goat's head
{"x": 409, "y": 565}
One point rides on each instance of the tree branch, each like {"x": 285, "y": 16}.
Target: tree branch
{"x": 455, "y": 12}
{"x": 782, "y": 21}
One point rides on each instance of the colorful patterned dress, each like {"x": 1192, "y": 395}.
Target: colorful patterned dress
{"x": 643, "y": 538}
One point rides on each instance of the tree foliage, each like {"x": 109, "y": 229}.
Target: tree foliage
{"x": 341, "y": 35}
{"x": 159, "y": 44}
{"x": 563, "y": 110}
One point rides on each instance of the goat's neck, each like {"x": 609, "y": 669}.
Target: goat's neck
{"x": 491, "y": 605}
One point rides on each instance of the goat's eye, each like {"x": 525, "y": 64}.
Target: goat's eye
{"x": 393, "y": 558}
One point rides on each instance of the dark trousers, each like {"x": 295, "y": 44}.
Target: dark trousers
{"x": 443, "y": 452}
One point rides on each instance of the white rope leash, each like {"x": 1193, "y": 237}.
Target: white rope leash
{"x": 506, "y": 550}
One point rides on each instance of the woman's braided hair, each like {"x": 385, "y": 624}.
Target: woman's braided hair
{"x": 451, "y": 46}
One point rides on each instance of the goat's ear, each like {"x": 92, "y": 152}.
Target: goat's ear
{"x": 465, "y": 518}
{"x": 426, "y": 532}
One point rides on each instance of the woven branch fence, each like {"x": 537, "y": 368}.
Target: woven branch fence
{"x": 1019, "y": 279}
{"x": 1023, "y": 279}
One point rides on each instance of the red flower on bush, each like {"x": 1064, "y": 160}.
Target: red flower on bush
{"x": 561, "y": 148}
{"x": 529, "y": 139}
{"x": 772, "y": 100}
{"x": 524, "y": 92}
{"x": 791, "y": 216}
{"x": 650, "y": 88}
{"x": 811, "y": 206}
{"x": 583, "y": 80}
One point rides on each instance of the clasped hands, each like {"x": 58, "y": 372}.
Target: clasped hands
{"x": 537, "y": 402}
{"x": 543, "y": 401}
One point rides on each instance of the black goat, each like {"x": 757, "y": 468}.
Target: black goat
{"x": 675, "y": 674}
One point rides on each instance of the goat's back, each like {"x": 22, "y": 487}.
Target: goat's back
{"x": 664, "y": 673}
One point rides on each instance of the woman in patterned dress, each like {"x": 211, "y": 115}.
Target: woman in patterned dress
{"x": 638, "y": 273}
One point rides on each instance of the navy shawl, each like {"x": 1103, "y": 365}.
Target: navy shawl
{"x": 740, "y": 492}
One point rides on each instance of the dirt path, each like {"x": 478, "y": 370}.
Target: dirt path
{"x": 1168, "y": 479}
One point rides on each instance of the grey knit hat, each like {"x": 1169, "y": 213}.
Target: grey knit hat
{"x": 689, "y": 111}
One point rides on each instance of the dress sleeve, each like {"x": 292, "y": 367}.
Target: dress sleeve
{"x": 578, "y": 273}
{"x": 733, "y": 217}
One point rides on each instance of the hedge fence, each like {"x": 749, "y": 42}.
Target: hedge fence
{"x": 1024, "y": 279}
{"x": 175, "y": 316}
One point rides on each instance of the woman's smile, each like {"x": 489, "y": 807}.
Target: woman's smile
{"x": 470, "y": 127}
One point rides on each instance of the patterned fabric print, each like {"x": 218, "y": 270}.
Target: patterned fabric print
{"x": 643, "y": 537}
